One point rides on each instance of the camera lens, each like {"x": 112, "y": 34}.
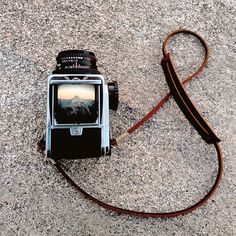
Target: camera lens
{"x": 76, "y": 61}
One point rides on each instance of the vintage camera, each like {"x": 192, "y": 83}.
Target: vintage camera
{"x": 78, "y": 103}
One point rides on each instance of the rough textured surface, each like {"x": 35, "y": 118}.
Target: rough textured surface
{"x": 164, "y": 166}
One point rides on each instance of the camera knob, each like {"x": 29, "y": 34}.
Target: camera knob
{"x": 113, "y": 95}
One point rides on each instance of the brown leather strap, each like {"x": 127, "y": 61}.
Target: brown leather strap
{"x": 166, "y": 97}
{"x": 150, "y": 214}
{"x": 184, "y": 102}
{"x": 192, "y": 115}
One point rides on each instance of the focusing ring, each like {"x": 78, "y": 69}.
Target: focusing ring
{"x": 76, "y": 61}
{"x": 76, "y": 71}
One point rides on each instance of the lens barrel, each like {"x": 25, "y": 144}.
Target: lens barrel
{"x": 84, "y": 62}
{"x": 76, "y": 61}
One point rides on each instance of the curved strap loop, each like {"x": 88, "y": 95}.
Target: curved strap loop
{"x": 202, "y": 41}
{"x": 150, "y": 214}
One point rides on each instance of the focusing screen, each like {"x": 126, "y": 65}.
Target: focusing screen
{"x": 76, "y": 103}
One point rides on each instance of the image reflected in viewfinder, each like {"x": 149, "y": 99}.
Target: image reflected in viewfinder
{"x": 76, "y": 103}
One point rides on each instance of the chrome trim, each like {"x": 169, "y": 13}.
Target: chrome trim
{"x": 103, "y": 117}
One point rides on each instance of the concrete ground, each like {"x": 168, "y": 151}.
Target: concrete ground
{"x": 165, "y": 165}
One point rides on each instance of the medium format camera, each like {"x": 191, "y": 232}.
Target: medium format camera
{"x": 78, "y": 103}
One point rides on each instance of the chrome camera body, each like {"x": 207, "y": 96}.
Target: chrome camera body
{"x": 78, "y": 103}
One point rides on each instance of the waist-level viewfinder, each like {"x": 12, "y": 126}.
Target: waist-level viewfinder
{"x": 78, "y": 103}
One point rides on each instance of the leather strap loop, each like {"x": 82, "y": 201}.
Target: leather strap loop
{"x": 192, "y": 115}
{"x": 150, "y": 214}
{"x": 202, "y": 41}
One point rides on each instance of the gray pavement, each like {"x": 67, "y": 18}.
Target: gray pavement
{"x": 165, "y": 165}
